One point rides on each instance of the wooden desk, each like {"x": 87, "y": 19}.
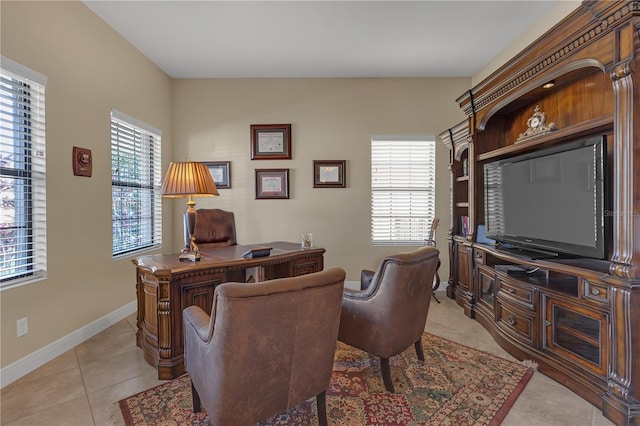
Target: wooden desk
{"x": 165, "y": 287}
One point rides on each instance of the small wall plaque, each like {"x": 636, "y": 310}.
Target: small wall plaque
{"x": 82, "y": 161}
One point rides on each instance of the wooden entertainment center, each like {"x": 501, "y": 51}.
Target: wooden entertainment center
{"x": 578, "y": 318}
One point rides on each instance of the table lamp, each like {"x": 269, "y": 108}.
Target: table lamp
{"x": 189, "y": 179}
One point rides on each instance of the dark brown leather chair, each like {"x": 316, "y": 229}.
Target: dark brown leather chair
{"x": 267, "y": 347}
{"x": 212, "y": 228}
{"x": 389, "y": 313}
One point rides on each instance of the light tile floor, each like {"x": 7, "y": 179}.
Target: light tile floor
{"x": 82, "y": 386}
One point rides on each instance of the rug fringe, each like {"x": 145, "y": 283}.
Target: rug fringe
{"x": 530, "y": 363}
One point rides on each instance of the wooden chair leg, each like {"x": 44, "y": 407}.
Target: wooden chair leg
{"x": 322, "y": 408}
{"x": 196, "y": 399}
{"x": 386, "y": 374}
{"x": 419, "y": 350}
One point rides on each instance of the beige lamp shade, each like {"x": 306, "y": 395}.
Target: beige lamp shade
{"x": 186, "y": 179}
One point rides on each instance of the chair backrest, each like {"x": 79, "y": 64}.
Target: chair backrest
{"x": 270, "y": 346}
{"x": 213, "y": 228}
{"x": 397, "y": 303}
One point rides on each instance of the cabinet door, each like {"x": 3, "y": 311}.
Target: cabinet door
{"x": 486, "y": 286}
{"x": 463, "y": 265}
{"x": 577, "y": 334}
{"x": 149, "y": 316}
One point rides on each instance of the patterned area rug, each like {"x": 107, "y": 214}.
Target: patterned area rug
{"x": 455, "y": 385}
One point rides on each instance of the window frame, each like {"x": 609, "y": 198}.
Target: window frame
{"x": 23, "y": 158}
{"x": 393, "y": 177}
{"x": 141, "y": 179}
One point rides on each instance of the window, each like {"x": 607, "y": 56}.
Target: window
{"x": 136, "y": 208}
{"x": 402, "y": 189}
{"x": 23, "y": 213}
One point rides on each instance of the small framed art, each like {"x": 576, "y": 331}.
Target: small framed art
{"x": 272, "y": 184}
{"x": 329, "y": 173}
{"x": 271, "y": 141}
{"x": 220, "y": 172}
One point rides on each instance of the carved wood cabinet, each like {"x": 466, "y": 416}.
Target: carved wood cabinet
{"x": 579, "y": 319}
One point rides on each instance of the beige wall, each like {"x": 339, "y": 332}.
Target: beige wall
{"x": 332, "y": 119}
{"x": 561, "y": 9}
{"x": 90, "y": 70}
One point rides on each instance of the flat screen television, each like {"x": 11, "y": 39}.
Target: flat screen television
{"x": 550, "y": 202}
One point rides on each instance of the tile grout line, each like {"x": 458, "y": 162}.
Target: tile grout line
{"x": 84, "y": 385}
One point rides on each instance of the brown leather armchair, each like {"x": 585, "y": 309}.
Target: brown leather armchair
{"x": 212, "y": 228}
{"x": 389, "y": 313}
{"x": 267, "y": 347}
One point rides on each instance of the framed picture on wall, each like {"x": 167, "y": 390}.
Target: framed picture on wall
{"x": 272, "y": 184}
{"x": 220, "y": 172}
{"x": 271, "y": 141}
{"x": 329, "y": 173}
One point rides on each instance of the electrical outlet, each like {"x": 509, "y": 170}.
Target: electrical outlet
{"x": 22, "y": 326}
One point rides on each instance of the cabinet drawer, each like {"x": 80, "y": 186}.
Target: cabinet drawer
{"x": 478, "y": 257}
{"x": 518, "y": 293}
{"x": 595, "y": 292}
{"x": 516, "y": 322}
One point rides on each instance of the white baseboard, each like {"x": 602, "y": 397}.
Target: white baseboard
{"x": 356, "y": 285}
{"x": 26, "y": 365}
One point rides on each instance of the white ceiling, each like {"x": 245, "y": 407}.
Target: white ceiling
{"x": 232, "y": 39}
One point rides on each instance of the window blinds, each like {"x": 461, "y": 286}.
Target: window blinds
{"x": 402, "y": 189}
{"x": 23, "y": 215}
{"x": 136, "y": 208}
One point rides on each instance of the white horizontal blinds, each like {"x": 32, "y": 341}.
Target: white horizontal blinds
{"x": 494, "y": 205}
{"x": 402, "y": 189}
{"x": 136, "y": 207}
{"x": 23, "y": 215}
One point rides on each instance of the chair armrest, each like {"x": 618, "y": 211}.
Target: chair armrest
{"x": 365, "y": 278}
{"x": 198, "y": 320}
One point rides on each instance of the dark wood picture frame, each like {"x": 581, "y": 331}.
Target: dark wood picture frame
{"x": 329, "y": 173}
{"x": 272, "y": 184}
{"x": 271, "y": 141}
{"x": 220, "y": 172}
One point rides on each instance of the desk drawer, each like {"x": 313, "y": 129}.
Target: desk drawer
{"x": 306, "y": 266}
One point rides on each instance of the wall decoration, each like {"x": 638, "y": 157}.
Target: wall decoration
{"x": 82, "y": 161}
{"x": 271, "y": 141}
{"x": 329, "y": 173}
{"x": 272, "y": 184}
{"x": 221, "y": 173}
